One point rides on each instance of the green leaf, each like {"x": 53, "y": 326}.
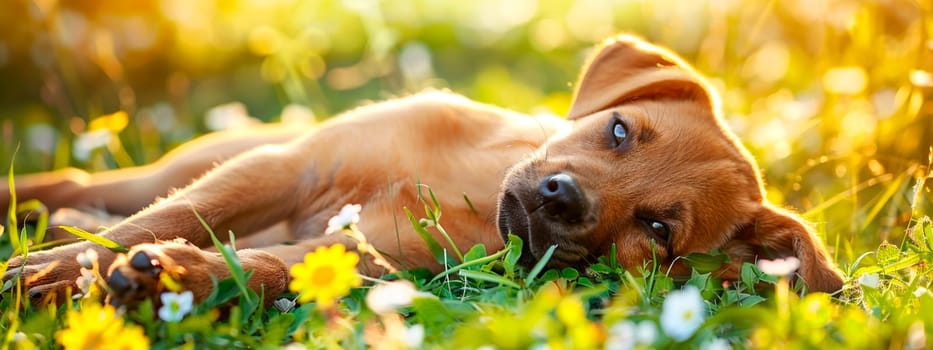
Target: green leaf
{"x": 888, "y": 254}
{"x": 601, "y": 268}
{"x": 230, "y": 258}
{"x": 433, "y": 246}
{"x": 42, "y": 224}
{"x": 488, "y": 277}
{"x": 550, "y": 275}
{"x": 224, "y": 291}
{"x": 96, "y": 239}
{"x": 699, "y": 280}
{"x": 540, "y": 265}
{"x": 706, "y": 262}
{"x": 749, "y": 300}
{"x": 478, "y": 261}
{"x": 569, "y": 273}
{"x": 514, "y": 248}
{"x": 476, "y": 252}
{"x": 749, "y": 275}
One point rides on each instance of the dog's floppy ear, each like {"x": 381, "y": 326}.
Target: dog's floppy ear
{"x": 776, "y": 233}
{"x": 625, "y": 68}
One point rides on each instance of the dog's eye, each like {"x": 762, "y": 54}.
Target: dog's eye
{"x": 658, "y": 230}
{"x": 619, "y": 132}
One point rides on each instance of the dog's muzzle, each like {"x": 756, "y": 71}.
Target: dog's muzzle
{"x": 545, "y": 214}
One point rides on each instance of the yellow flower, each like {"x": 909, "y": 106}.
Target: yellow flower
{"x": 99, "y": 327}
{"x": 328, "y": 273}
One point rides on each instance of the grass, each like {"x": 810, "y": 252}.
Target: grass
{"x": 830, "y": 97}
{"x": 487, "y": 300}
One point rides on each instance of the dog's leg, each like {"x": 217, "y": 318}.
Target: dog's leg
{"x": 244, "y": 195}
{"x": 126, "y": 191}
{"x": 134, "y": 276}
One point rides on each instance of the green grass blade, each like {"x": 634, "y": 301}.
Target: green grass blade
{"x": 42, "y": 223}
{"x": 488, "y": 277}
{"x": 433, "y": 246}
{"x": 540, "y": 265}
{"x": 96, "y": 239}
{"x": 12, "y": 221}
{"x": 230, "y": 258}
{"x": 464, "y": 265}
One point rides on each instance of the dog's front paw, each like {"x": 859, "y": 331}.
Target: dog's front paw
{"x": 48, "y": 275}
{"x": 146, "y": 269}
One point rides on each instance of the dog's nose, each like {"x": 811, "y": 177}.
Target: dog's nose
{"x": 562, "y": 198}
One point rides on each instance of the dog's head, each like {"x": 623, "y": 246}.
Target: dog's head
{"x": 649, "y": 160}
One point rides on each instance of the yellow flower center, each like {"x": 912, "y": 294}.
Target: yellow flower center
{"x": 323, "y": 275}
{"x": 688, "y": 315}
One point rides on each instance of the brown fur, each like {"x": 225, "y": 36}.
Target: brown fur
{"x": 679, "y": 165}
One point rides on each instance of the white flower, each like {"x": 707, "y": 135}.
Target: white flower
{"x": 682, "y": 313}
{"x": 87, "y": 258}
{"x": 228, "y": 116}
{"x": 920, "y": 291}
{"x": 388, "y": 297}
{"x": 295, "y": 346}
{"x": 349, "y": 215}
{"x": 88, "y": 142}
{"x": 85, "y": 281}
{"x": 413, "y": 336}
{"x": 779, "y": 267}
{"x": 19, "y": 336}
{"x": 716, "y": 344}
{"x": 627, "y": 335}
{"x": 869, "y": 280}
{"x": 175, "y": 305}
{"x": 621, "y": 336}
{"x": 646, "y": 333}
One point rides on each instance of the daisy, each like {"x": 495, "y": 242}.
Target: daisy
{"x": 349, "y": 215}
{"x": 175, "y": 305}
{"x": 682, "y": 313}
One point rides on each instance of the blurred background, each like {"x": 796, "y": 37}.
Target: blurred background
{"x": 829, "y": 95}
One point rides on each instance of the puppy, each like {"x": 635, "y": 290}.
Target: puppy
{"x": 642, "y": 160}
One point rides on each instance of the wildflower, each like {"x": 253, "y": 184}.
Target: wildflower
{"x": 175, "y": 305}
{"x": 87, "y": 259}
{"x": 627, "y": 335}
{"x": 87, "y": 142}
{"x": 779, "y": 267}
{"x": 349, "y": 215}
{"x": 869, "y": 280}
{"x": 920, "y": 291}
{"x": 390, "y": 296}
{"x": 621, "y": 336}
{"x": 326, "y": 274}
{"x": 716, "y": 344}
{"x": 682, "y": 313}
{"x": 99, "y": 327}
{"x": 85, "y": 281}
{"x": 646, "y": 333}
{"x": 582, "y": 333}
{"x": 413, "y": 336}
{"x": 228, "y": 116}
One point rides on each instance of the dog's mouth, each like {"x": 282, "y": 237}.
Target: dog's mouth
{"x": 524, "y": 218}
{"x": 513, "y": 219}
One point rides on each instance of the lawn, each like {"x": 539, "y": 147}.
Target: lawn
{"x": 831, "y": 97}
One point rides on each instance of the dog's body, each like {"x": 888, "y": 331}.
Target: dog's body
{"x": 642, "y": 157}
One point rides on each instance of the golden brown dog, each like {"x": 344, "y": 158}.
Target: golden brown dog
{"x": 642, "y": 156}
